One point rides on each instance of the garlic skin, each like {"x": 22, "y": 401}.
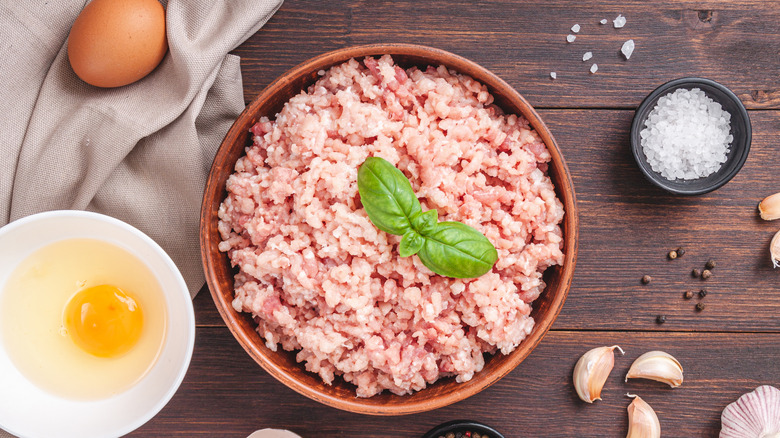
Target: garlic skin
{"x": 774, "y": 250}
{"x": 659, "y": 366}
{"x": 642, "y": 421}
{"x": 754, "y": 415}
{"x": 591, "y": 372}
{"x": 769, "y": 208}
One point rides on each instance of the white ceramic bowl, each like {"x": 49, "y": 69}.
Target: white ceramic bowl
{"x": 28, "y": 411}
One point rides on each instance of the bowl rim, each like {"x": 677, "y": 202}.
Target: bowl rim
{"x": 637, "y": 121}
{"x": 180, "y": 293}
{"x": 454, "y": 425}
{"x": 461, "y": 65}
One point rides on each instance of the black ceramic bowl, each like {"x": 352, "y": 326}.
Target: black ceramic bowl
{"x": 462, "y": 426}
{"x": 738, "y": 151}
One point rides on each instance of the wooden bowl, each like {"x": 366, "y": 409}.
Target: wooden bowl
{"x": 282, "y": 365}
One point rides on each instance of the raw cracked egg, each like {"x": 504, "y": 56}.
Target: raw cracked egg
{"x": 103, "y": 320}
{"x": 117, "y": 42}
{"x": 83, "y": 318}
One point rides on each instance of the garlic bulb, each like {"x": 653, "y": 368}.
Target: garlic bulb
{"x": 769, "y": 208}
{"x": 642, "y": 421}
{"x": 774, "y": 250}
{"x": 754, "y": 415}
{"x": 592, "y": 370}
{"x": 659, "y": 366}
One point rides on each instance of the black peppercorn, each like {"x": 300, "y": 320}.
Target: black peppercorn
{"x": 660, "y": 319}
{"x": 688, "y": 294}
{"x": 680, "y": 252}
{"x": 695, "y": 273}
{"x": 705, "y": 274}
{"x": 646, "y": 279}
{"x": 699, "y": 307}
{"x": 710, "y": 264}
{"x": 703, "y": 293}
{"x": 672, "y": 254}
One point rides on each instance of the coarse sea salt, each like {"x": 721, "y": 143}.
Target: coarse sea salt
{"x": 575, "y": 28}
{"x": 553, "y": 75}
{"x": 571, "y": 38}
{"x": 594, "y": 68}
{"x": 686, "y": 135}
{"x": 603, "y": 21}
{"x": 586, "y": 56}
{"x": 619, "y": 21}
{"x": 627, "y": 49}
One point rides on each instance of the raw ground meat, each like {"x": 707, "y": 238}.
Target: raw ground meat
{"x": 320, "y": 278}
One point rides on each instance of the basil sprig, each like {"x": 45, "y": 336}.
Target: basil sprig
{"x": 452, "y": 249}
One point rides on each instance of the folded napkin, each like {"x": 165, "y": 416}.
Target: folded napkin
{"x": 140, "y": 153}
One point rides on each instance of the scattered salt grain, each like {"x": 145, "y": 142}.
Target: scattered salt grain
{"x": 553, "y": 75}
{"x": 575, "y": 28}
{"x": 603, "y": 21}
{"x": 587, "y": 56}
{"x": 628, "y": 48}
{"x": 571, "y": 38}
{"x": 594, "y": 68}
{"x": 619, "y": 22}
{"x": 686, "y": 135}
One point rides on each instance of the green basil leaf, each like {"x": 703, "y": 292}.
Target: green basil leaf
{"x": 410, "y": 244}
{"x": 452, "y": 249}
{"x": 387, "y": 196}
{"x": 425, "y": 223}
{"x": 457, "y": 250}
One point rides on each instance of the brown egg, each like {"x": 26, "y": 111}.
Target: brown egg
{"x": 117, "y": 42}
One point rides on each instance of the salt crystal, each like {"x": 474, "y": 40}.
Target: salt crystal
{"x": 553, "y": 75}
{"x": 628, "y": 48}
{"x": 619, "y": 22}
{"x": 587, "y": 56}
{"x": 575, "y": 28}
{"x": 603, "y": 21}
{"x": 594, "y": 68}
{"x": 571, "y": 38}
{"x": 686, "y": 135}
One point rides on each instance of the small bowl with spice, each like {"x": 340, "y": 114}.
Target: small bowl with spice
{"x": 463, "y": 429}
{"x": 690, "y": 136}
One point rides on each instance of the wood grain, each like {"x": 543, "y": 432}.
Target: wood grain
{"x": 522, "y": 42}
{"x": 226, "y": 394}
{"x": 626, "y": 225}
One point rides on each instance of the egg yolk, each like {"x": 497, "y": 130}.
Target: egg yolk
{"x": 103, "y": 321}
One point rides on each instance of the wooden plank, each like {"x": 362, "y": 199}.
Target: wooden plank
{"x": 227, "y": 394}
{"x": 206, "y": 314}
{"x": 627, "y": 226}
{"x": 523, "y": 42}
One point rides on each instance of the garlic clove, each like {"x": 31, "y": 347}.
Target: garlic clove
{"x": 273, "y": 433}
{"x": 591, "y": 372}
{"x": 659, "y": 366}
{"x": 642, "y": 421}
{"x": 755, "y": 414}
{"x": 774, "y": 250}
{"x": 769, "y": 208}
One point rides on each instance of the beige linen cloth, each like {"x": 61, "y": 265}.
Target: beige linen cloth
{"x": 139, "y": 153}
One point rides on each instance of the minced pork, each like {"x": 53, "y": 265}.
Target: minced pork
{"x": 320, "y": 278}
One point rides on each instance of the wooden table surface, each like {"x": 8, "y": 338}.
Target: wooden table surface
{"x": 627, "y": 225}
